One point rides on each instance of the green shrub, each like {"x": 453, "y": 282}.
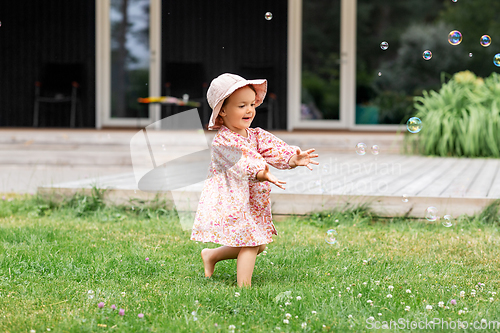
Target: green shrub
{"x": 462, "y": 119}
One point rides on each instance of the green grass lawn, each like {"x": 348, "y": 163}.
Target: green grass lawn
{"x": 58, "y": 262}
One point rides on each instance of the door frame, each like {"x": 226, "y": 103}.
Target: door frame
{"x": 103, "y": 67}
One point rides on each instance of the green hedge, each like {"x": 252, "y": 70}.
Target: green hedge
{"x": 462, "y": 119}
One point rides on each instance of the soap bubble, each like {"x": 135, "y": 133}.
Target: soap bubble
{"x": 414, "y": 125}
{"x": 496, "y": 59}
{"x": 447, "y": 221}
{"x": 375, "y": 150}
{"x": 454, "y": 0}
{"x": 379, "y": 73}
{"x": 427, "y": 55}
{"x": 470, "y": 55}
{"x": 485, "y": 40}
{"x": 331, "y": 236}
{"x": 384, "y": 45}
{"x": 269, "y": 16}
{"x": 361, "y": 148}
{"x": 405, "y": 198}
{"x": 431, "y": 214}
{"x": 455, "y": 37}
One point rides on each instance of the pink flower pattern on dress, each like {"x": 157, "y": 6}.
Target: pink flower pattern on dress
{"x": 234, "y": 207}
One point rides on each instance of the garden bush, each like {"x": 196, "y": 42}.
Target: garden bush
{"x": 462, "y": 119}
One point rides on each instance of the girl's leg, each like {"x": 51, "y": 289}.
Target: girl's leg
{"x": 212, "y": 256}
{"x": 245, "y": 265}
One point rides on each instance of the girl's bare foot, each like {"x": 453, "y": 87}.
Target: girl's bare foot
{"x": 207, "y": 262}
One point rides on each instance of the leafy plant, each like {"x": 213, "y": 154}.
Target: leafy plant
{"x": 462, "y": 119}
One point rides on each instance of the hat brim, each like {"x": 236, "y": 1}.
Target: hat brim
{"x": 260, "y": 86}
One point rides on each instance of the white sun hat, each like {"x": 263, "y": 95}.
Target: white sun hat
{"x": 223, "y": 86}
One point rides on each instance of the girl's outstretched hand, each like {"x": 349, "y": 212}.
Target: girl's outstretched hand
{"x": 266, "y": 175}
{"x": 304, "y": 158}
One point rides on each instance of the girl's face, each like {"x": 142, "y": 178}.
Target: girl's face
{"x": 239, "y": 110}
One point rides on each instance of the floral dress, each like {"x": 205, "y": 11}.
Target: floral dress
{"x": 234, "y": 207}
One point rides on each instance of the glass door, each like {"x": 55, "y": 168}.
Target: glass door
{"x": 130, "y": 55}
{"x": 128, "y": 39}
{"x": 326, "y": 65}
{"x": 320, "y": 60}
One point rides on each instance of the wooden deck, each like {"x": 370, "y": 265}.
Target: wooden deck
{"x": 453, "y": 185}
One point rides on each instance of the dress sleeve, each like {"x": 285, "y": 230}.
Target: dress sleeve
{"x": 274, "y": 150}
{"x": 237, "y": 160}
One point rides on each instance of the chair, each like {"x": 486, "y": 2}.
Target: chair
{"x": 183, "y": 78}
{"x": 258, "y": 71}
{"x": 59, "y": 84}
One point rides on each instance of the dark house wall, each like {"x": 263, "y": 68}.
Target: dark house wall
{"x": 36, "y": 32}
{"x": 219, "y": 36}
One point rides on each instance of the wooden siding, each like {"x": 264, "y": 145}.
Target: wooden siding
{"x": 44, "y": 31}
{"x": 227, "y": 36}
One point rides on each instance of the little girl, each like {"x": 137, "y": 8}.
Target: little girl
{"x": 235, "y": 208}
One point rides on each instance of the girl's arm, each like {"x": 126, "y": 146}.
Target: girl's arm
{"x": 274, "y": 150}
{"x": 239, "y": 161}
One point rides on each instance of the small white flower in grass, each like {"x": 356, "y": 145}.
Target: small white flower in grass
{"x": 365, "y": 283}
{"x": 348, "y": 288}
{"x": 369, "y": 301}
{"x": 298, "y": 298}
{"x": 48, "y": 329}
{"x": 389, "y": 296}
{"x": 491, "y": 299}
{"x": 232, "y": 327}
{"x": 123, "y": 293}
{"x": 91, "y": 296}
{"x": 402, "y": 303}
{"x": 324, "y": 326}
{"x": 333, "y": 287}
{"x": 391, "y": 288}
{"x": 429, "y": 307}
{"x": 465, "y": 309}
{"x": 379, "y": 314}
{"x": 313, "y": 312}
{"x": 462, "y": 293}
{"x": 441, "y": 304}
{"x": 446, "y": 307}
{"x": 365, "y": 262}
{"x": 493, "y": 293}
{"x": 193, "y": 313}
{"x": 408, "y": 291}
{"x": 285, "y": 321}
{"x": 407, "y": 308}
{"x": 483, "y": 320}
{"x": 287, "y": 303}
{"x": 194, "y": 318}
{"x": 287, "y": 315}
{"x": 236, "y": 294}
{"x": 340, "y": 295}
{"x": 264, "y": 253}
{"x": 371, "y": 318}
{"x": 349, "y": 316}
{"x": 460, "y": 312}
{"x": 377, "y": 282}
{"x": 32, "y": 331}
{"x": 296, "y": 317}
{"x": 359, "y": 295}
{"x": 304, "y": 325}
